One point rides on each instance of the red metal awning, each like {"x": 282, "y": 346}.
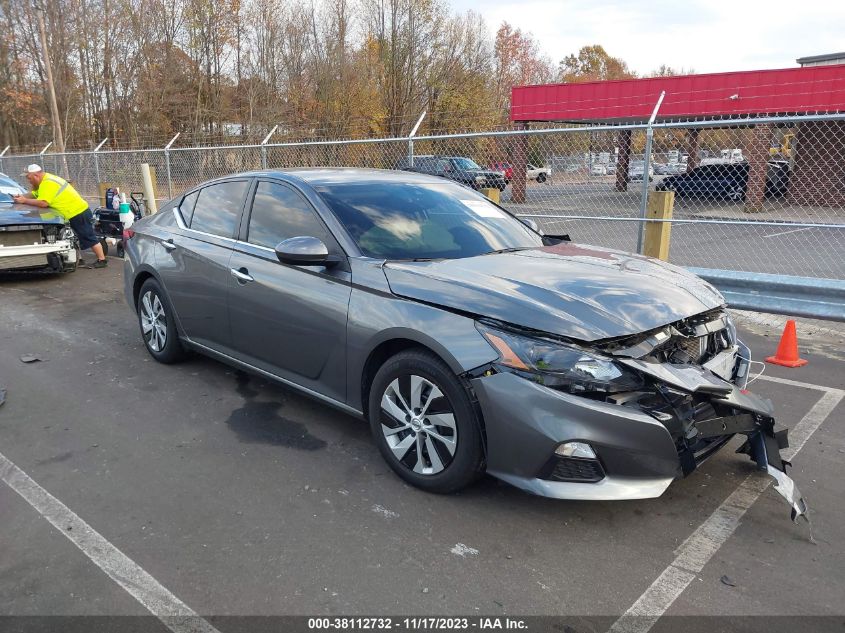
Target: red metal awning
{"x": 747, "y": 93}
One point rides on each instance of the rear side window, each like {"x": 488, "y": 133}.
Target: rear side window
{"x": 279, "y": 213}
{"x": 217, "y": 208}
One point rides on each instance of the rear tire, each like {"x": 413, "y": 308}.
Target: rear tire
{"x": 425, "y": 423}
{"x": 157, "y": 322}
{"x": 541, "y": 178}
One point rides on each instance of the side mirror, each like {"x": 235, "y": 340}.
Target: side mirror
{"x": 531, "y": 224}
{"x": 302, "y": 251}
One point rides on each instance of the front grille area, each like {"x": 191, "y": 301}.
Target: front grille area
{"x": 20, "y": 238}
{"x": 573, "y": 469}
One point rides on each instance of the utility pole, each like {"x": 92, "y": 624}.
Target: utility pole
{"x": 58, "y": 138}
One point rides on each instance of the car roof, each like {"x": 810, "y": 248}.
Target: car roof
{"x": 317, "y": 176}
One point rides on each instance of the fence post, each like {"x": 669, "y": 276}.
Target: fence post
{"x": 6, "y": 149}
{"x": 411, "y": 139}
{"x": 649, "y": 136}
{"x": 167, "y": 166}
{"x": 41, "y": 153}
{"x": 97, "y": 160}
{"x": 264, "y": 147}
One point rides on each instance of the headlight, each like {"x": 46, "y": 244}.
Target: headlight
{"x": 560, "y": 366}
{"x": 67, "y": 233}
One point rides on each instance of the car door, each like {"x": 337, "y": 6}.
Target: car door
{"x": 194, "y": 262}
{"x": 289, "y": 320}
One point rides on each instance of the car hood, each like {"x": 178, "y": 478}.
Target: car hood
{"x": 483, "y": 172}
{"x": 580, "y": 292}
{"x": 14, "y": 214}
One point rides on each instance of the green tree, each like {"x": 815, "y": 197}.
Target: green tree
{"x": 593, "y": 63}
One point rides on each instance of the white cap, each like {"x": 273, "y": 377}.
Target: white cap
{"x": 32, "y": 169}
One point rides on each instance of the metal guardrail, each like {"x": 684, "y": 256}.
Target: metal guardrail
{"x": 809, "y": 297}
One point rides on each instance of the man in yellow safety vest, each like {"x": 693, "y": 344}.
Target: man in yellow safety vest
{"x": 49, "y": 190}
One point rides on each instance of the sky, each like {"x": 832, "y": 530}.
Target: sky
{"x": 705, "y": 36}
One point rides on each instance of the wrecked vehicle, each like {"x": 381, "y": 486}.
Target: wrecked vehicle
{"x": 33, "y": 238}
{"x": 469, "y": 341}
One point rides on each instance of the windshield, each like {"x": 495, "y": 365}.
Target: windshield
{"x": 399, "y": 220}
{"x": 5, "y": 197}
{"x": 466, "y": 163}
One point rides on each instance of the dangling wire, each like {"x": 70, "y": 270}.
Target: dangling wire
{"x": 750, "y": 362}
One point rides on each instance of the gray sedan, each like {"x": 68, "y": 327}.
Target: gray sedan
{"x": 470, "y": 342}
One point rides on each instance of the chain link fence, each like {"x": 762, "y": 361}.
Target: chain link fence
{"x": 754, "y": 194}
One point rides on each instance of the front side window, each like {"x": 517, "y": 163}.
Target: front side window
{"x": 423, "y": 221}
{"x": 279, "y": 213}
{"x": 217, "y": 208}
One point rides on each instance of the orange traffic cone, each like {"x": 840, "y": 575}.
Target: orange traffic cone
{"x": 787, "y": 354}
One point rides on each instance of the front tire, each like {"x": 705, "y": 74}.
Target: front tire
{"x": 541, "y": 178}
{"x": 158, "y": 327}
{"x": 425, "y": 423}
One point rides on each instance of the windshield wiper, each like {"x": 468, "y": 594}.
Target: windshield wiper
{"x": 513, "y": 249}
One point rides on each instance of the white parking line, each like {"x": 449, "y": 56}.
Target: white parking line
{"x": 174, "y": 614}
{"x": 698, "y": 549}
{"x": 807, "y": 228}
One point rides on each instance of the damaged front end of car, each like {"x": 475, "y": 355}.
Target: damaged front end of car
{"x": 633, "y": 412}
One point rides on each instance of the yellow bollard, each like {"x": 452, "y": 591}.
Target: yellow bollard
{"x": 149, "y": 191}
{"x": 102, "y": 187}
{"x": 492, "y": 193}
{"x": 658, "y": 234}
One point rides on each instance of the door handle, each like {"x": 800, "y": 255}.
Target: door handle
{"x": 168, "y": 244}
{"x": 241, "y": 274}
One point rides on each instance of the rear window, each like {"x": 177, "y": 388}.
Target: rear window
{"x": 217, "y": 208}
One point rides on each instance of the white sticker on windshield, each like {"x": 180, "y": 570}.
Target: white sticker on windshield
{"x": 483, "y": 209}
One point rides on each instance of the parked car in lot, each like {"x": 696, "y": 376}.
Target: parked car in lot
{"x": 727, "y": 181}
{"x": 33, "y": 238}
{"x": 540, "y": 174}
{"x": 506, "y": 169}
{"x": 669, "y": 169}
{"x": 598, "y": 169}
{"x": 636, "y": 171}
{"x": 469, "y": 342}
{"x": 458, "y": 168}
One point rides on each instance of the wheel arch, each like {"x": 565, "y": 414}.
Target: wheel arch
{"x": 393, "y": 342}
{"x": 392, "y": 345}
{"x": 144, "y": 273}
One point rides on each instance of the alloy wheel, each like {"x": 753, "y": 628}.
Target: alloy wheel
{"x": 153, "y": 321}
{"x": 418, "y": 424}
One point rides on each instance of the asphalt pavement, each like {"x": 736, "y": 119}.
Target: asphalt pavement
{"x": 238, "y": 497}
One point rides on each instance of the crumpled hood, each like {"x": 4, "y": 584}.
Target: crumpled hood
{"x": 580, "y": 292}
{"x": 13, "y": 214}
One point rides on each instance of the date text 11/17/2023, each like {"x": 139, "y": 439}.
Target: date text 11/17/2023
{"x": 416, "y": 623}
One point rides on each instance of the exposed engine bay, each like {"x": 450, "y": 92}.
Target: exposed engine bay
{"x": 701, "y": 370}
